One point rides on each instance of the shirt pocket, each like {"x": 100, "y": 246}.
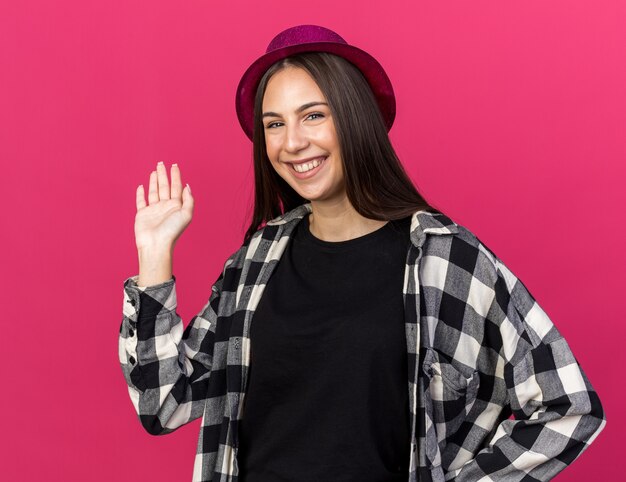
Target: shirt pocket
{"x": 452, "y": 394}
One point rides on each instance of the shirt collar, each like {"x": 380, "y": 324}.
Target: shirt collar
{"x": 422, "y": 222}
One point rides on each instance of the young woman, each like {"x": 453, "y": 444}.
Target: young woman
{"x": 358, "y": 334}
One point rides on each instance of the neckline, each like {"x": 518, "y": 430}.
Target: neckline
{"x": 346, "y": 244}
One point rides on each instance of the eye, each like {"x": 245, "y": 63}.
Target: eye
{"x": 315, "y": 113}
{"x": 271, "y": 125}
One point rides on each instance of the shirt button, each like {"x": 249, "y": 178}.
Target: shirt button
{"x": 131, "y": 360}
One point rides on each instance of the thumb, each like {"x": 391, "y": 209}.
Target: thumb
{"x": 187, "y": 199}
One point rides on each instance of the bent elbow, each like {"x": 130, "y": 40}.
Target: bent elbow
{"x": 596, "y": 413}
{"x": 153, "y": 426}
{"x": 597, "y": 410}
{"x": 592, "y": 419}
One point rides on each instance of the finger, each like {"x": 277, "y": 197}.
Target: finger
{"x": 177, "y": 187}
{"x": 164, "y": 185}
{"x": 153, "y": 195}
{"x": 188, "y": 202}
{"x": 140, "y": 199}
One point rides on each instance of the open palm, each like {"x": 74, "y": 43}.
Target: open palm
{"x": 169, "y": 210}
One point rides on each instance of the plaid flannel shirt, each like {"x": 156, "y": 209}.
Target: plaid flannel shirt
{"x": 495, "y": 393}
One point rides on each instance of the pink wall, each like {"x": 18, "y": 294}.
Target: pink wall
{"x": 511, "y": 118}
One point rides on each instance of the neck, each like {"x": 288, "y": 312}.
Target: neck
{"x": 337, "y": 220}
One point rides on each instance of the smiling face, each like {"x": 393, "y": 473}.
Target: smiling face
{"x": 300, "y": 136}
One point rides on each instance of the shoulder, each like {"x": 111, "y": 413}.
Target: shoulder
{"x": 462, "y": 266}
{"x": 459, "y": 263}
{"x": 445, "y": 238}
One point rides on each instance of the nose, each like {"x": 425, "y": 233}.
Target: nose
{"x": 296, "y": 138}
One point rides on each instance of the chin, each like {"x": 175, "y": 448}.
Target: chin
{"x": 322, "y": 197}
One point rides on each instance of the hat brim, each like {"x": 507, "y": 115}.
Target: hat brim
{"x": 372, "y": 70}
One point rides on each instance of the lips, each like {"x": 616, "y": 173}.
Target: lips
{"x": 305, "y": 161}
{"x": 310, "y": 173}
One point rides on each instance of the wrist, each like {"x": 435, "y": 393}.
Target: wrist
{"x": 155, "y": 251}
{"x": 155, "y": 266}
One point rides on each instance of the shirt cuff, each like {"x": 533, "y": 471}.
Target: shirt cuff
{"x": 148, "y": 301}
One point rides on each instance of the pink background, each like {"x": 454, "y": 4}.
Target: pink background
{"x": 511, "y": 118}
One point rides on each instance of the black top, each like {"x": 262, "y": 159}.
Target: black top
{"x": 327, "y": 393}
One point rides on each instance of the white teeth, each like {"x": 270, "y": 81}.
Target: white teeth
{"x": 308, "y": 166}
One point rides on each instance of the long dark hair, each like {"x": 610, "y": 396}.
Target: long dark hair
{"x": 377, "y": 185}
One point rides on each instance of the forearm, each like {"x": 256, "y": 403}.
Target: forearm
{"x": 559, "y": 416}
{"x": 162, "y": 363}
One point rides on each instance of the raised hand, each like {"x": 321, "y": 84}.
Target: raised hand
{"x": 168, "y": 212}
{"x": 159, "y": 223}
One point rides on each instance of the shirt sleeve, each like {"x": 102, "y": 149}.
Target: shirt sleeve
{"x": 557, "y": 413}
{"x": 166, "y": 367}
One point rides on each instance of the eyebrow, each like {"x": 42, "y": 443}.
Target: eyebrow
{"x": 298, "y": 110}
